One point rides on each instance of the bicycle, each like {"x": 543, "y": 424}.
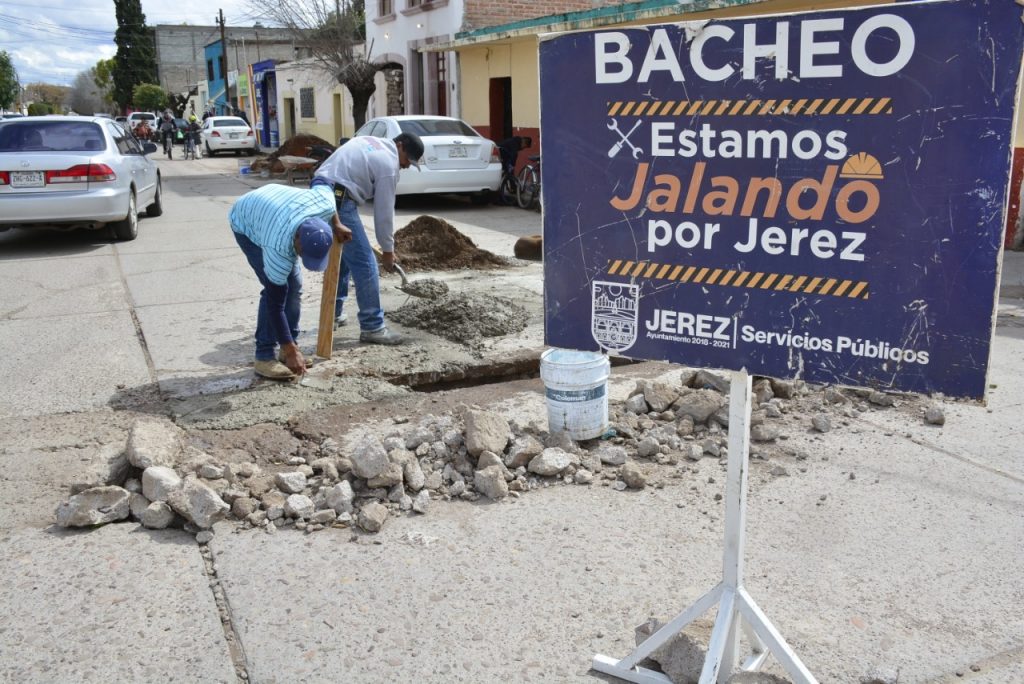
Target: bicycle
{"x": 508, "y": 189}
{"x": 190, "y": 145}
{"x": 168, "y": 137}
{"x": 528, "y": 194}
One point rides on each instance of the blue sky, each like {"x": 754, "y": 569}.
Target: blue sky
{"x": 52, "y": 40}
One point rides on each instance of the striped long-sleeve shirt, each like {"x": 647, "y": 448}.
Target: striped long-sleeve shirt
{"x": 269, "y": 216}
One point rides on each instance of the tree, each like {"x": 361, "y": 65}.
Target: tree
{"x": 52, "y": 95}
{"x": 39, "y": 109}
{"x": 103, "y": 77}
{"x": 135, "y": 61}
{"x": 149, "y": 97}
{"x": 9, "y": 86}
{"x": 334, "y": 31}
{"x": 84, "y": 96}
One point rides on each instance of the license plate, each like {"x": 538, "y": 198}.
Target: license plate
{"x": 456, "y": 151}
{"x": 233, "y": 135}
{"x": 27, "y": 179}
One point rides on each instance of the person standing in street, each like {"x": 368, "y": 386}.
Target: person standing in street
{"x": 367, "y": 168}
{"x": 276, "y": 226}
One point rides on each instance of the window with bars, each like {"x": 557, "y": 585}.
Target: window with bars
{"x": 306, "y": 108}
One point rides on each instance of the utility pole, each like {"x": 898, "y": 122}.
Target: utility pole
{"x": 224, "y": 53}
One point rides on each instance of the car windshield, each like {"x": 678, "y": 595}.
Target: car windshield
{"x": 51, "y": 136}
{"x": 423, "y": 127}
{"x": 230, "y": 121}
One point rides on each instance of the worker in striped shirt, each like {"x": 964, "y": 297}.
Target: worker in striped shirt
{"x": 275, "y": 226}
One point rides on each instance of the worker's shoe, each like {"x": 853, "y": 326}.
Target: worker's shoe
{"x": 340, "y": 320}
{"x": 275, "y": 370}
{"x": 382, "y": 336}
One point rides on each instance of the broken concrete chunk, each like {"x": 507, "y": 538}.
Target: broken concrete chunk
{"x": 659, "y": 396}
{"x": 491, "y": 482}
{"x": 633, "y": 475}
{"x": 413, "y": 476}
{"x": 551, "y": 462}
{"x": 369, "y": 459}
{"x": 583, "y": 477}
{"x": 434, "y": 481}
{"x": 882, "y": 399}
{"x": 422, "y": 502}
{"x": 324, "y": 517}
{"x": 198, "y": 503}
{"x": 418, "y": 435}
{"x": 340, "y": 497}
{"x": 243, "y": 507}
{"x": 154, "y": 442}
{"x": 137, "y": 505}
{"x": 762, "y": 389}
{"x": 703, "y": 379}
{"x": 784, "y": 389}
{"x": 764, "y": 433}
{"x": 108, "y": 465}
{"x": 881, "y": 674}
{"x": 637, "y": 404}
{"x": 485, "y": 431}
{"x": 611, "y": 454}
{"x": 290, "y": 483}
{"x": 821, "y": 422}
{"x": 831, "y": 395}
{"x": 158, "y": 516}
{"x": 648, "y": 447}
{"x": 699, "y": 405}
{"x": 299, "y": 506}
{"x": 681, "y": 658}
{"x": 523, "y": 450}
{"x": 693, "y": 452}
{"x": 934, "y": 415}
{"x": 158, "y": 482}
{"x": 211, "y": 471}
{"x": 372, "y": 516}
{"x": 389, "y": 477}
{"x": 95, "y": 506}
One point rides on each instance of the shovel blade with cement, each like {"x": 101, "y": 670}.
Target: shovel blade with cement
{"x": 427, "y": 288}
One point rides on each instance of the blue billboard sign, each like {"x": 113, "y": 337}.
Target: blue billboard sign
{"x": 816, "y": 195}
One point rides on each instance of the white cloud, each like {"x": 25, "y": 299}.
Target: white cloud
{"x": 50, "y": 41}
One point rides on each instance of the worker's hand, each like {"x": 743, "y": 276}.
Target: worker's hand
{"x": 293, "y": 358}
{"x": 388, "y": 259}
{"x": 341, "y": 233}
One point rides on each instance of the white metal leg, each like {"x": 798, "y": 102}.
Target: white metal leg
{"x": 736, "y": 609}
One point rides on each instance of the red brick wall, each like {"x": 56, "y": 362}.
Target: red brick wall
{"x": 1016, "y": 176}
{"x": 484, "y": 13}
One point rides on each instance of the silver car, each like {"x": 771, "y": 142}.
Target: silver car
{"x": 75, "y": 172}
{"x": 456, "y": 158}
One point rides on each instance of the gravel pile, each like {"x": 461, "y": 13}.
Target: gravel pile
{"x": 658, "y": 434}
{"x": 463, "y": 317}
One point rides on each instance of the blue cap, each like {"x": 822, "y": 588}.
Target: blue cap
{"x": 315, "y": 239}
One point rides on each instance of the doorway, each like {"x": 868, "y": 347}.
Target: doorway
{"x": 289, "y": 118}
{"x": 500, "y": 97}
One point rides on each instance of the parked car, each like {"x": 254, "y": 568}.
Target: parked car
{"x": 84, "y": 172}
{"x": 135, "y": 118}
{"x": 11, "y": 115}
{"x": 456, "y": 159}
{"x": 123, "y": 120}
{"x": 227, "y": 134}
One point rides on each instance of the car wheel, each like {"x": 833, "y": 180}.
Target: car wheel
{"x": 128, "y": 228}
{"x": 209, "y": 152}
{"x": 480, "y": 198}
{"x": 251, "y": 153}
{"x": 238, "y": 153}
{"x": 157, "y": 207}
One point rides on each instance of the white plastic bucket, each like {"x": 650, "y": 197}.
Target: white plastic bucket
{"x": 576, "y": 388}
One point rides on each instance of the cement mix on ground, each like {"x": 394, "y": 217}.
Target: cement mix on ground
{"x": 429, "y": 243}
{"x": 464, "y": 317}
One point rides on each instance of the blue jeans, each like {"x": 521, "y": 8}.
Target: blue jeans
{"x": 266, "y": 341}
{"x": 359, "y": 263}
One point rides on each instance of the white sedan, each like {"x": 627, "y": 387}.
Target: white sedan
{"x": 456, "y": 159}
{"x": 75, "y": 172}
{"x": 227, "y": 134}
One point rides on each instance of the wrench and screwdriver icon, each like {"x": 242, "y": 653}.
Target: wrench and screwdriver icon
{"x": 614, "y": 126}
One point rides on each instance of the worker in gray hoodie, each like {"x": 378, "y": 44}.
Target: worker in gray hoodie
{"x": 366, "y": 168}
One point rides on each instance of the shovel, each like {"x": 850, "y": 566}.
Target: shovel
{"x": 428, "y": 289}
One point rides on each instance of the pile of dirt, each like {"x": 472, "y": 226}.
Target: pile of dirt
{"x": 296, "y": 146}
{"x": 464, "y": 317}
{"x": 429, "y": 243}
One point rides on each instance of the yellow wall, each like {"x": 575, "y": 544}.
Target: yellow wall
{"x": 518, "y": 58}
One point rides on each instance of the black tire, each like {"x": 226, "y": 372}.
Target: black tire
{"x": 127, "y": 229}
{"x": 507, "y": 191}
{"x": 209, "y": 152}
{"x": 479, "y": 199}
{"x": 238, "y": 153}
{"x": 157, "y": 207}
{"x": 251, "y": 153}
{"x": 529, "y": 186}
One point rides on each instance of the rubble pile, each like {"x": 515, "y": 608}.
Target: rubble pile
{"x": 429, "y": 243}
{"x": 297, "y": 146}
{"x": 657, "y": 434}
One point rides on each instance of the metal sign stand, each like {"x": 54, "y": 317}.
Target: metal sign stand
{"x": 736, "y": 609}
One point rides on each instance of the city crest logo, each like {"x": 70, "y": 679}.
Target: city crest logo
{"x": 613, "y": 320}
